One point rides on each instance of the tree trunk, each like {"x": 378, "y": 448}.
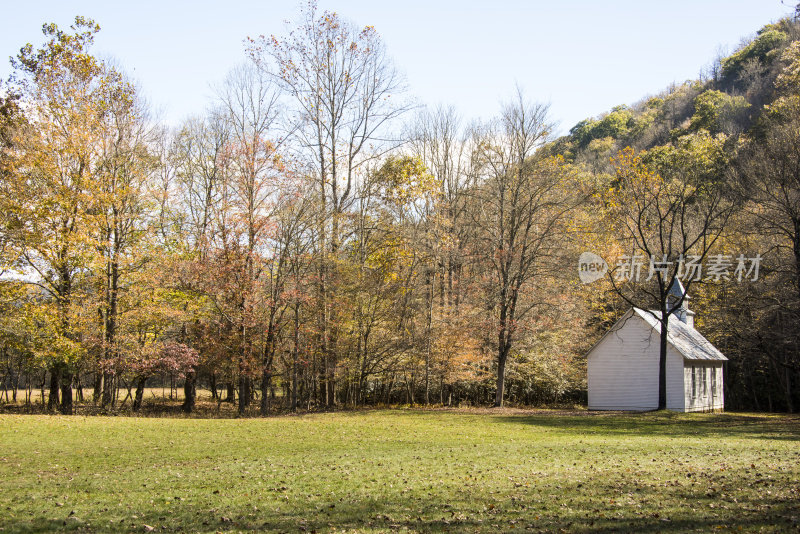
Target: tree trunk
{"x": 79, "y": 387}
{"x": 212, "y": 382}
{"x": 55, "y": 378}
{"x": 331, "y": 327}
{"x": 137, "y": 400}
{"x": 294, "y": 386}
{"x": 501, "y": 376}
{"x": 295, "y": 354}
{"x": 244, "y": 393}
{"x": 267, "y": 357}
{"x": 97, "y": 386}
{"x": 266, "y": 378}
{"x": 662, "y": 362}
{"x": 108, "y": 390}
{"x": 330, "y": 378}
{"x": 15, "y": 385}
{"x": 429, "y": 332}
{"x": 504, "y": 336}
{"x": 189, "y": 392}
{"x": 42, "y": 386}
{"x": 503, "y": 348}
{"x": 110, "y": 327}
{"x": 65, "y": 407}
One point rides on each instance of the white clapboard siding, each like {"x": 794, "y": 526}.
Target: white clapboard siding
{"x": 719, "y": 395}
{"x": 676, "y": 398}
{"x": 698, "y": 397}
{"x": 623, "y": 369}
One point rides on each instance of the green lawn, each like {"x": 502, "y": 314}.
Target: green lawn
{"x": 401, "y": 469}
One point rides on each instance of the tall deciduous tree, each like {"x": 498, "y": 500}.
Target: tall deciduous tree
{"x": 64, "y": 93}
{"x": 521, "y": 209}
{"x": 120, "y": 206}
{"x": 449, "y": 151}
{"x": 286, "y": 245}
{"x": 250, "y": 101}
{"x": 672, "y": 218}
{"x": 345, "y": 93}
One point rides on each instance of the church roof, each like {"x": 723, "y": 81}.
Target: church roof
{"x": 685, "y": 339}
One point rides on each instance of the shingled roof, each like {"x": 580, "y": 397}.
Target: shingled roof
{"x": 685, "y": 339}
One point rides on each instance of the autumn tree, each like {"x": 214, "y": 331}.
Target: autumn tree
{"x": 344, "y": 92}
{"x": 120, "y": 207}
{"x": 668, "y": 214}
{"x": 168, "y": 357}
{"x": 195, "y": 170}
{"x": 250, "y": 101}
{"x": 49, "y": 198}
{"x": 403, "y": 257}
{"x": 446, "y": 148}
{"x": 285, "y": 264}
{"x": 522, "y": 205}
{"x": 768, "y": 180}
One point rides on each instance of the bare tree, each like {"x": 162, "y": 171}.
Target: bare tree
{"x": 673, "y": 219}
{"x": 250, "y": 102}
{"x": 201, "y": 165}
{"x": 521, "y": 207}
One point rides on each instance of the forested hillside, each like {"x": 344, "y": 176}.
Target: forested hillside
{"x": 736, "y": 128}
{"x": 312, "y": 240}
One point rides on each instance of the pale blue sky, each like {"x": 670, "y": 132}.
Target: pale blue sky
{"x": 582, "y": 56}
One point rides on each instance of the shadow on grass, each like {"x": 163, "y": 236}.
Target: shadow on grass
{"x": 589, "y": 516}
{"x": 580, "y": 421}
{"x": 668, "y": 424}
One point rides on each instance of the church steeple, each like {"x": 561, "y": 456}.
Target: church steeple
{"x": 674, "y": 294}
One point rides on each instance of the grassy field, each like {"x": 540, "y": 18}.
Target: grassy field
{"x": 401, "y": 470}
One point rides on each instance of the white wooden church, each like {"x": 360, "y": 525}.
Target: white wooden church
{"x": 623, "y": 365}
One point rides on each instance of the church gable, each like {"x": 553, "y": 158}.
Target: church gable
{"x": 623, "y": 366}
